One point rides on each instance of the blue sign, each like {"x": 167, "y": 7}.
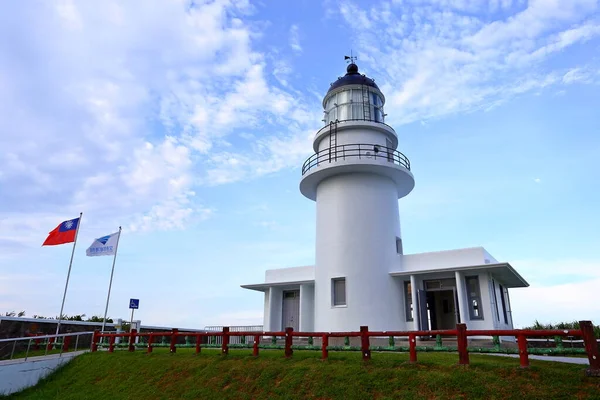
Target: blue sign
{"x": 134, "y": 304}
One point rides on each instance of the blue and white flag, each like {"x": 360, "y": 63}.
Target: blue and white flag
{"x": 104, "y": 246}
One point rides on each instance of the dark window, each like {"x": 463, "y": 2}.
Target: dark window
{"x": 474, "y": 297}
{"x": 503, "y": 304}
{"x": 495, "y": 299}
{"x": 339, "y": 291}
{"x": 408, "y": 301}
{"x": 399, "y": 245}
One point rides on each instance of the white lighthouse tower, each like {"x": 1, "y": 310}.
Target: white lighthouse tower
{"x": 356, "y": 177}
{"x": 361, "y": 275}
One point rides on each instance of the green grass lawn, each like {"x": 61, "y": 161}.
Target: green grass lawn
{"x": 161, "y": 375}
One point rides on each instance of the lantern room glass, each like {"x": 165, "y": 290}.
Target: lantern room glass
{"x": 353, "y": 104}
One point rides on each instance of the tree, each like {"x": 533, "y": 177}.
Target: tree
{"x": 96, "y": 318}
{"x": 13, "y": 314}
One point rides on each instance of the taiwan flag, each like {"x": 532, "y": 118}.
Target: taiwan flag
{"x": 63, "y": 233}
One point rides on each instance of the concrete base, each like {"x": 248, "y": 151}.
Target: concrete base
{"x": 592, "y": 372}
{"x": 16, "y": 375}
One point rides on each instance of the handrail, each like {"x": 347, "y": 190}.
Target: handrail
{"x": 51, "y": 342}
{"x": 356, "y": 150}
{"x": 46, "y": 336}
{"x": 461, "y": 333}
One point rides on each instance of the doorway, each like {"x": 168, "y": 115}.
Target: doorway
{"x": 291, "y": 310}
{"x": 437, "y": 309}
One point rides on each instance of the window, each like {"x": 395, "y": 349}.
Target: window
{"x": 495, "y": 299}
{"x": 408, "y": 301}
{"x": 474, "y": 297}
{"x": 350, "y": 104}
{"x": 398, "y": 245}
{"x": 502, "y": 289}
{"x": 338, "y": 286}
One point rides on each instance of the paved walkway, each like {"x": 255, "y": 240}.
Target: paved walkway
{"x": 69, "y": 354}
{"x": 569, "y": 360}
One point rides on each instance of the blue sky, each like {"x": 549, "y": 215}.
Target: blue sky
{"x": 187, "y": 124}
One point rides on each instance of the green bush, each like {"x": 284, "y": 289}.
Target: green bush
{"x": 561, "y": 325}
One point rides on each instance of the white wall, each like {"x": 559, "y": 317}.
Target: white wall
{"x": 443, "y": 259}
{"x": 307, "y": 308}
{"x": 275, "y": 308}
{"x": 305, "y": 273}
{"x": 362, "y": 135}
{"x": 357, "y": 226}
{"x": 488, "y": 256}
{"x": 16, "y": 375}
{"x": 267, "y": 311}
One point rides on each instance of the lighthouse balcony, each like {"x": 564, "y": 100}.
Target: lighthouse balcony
{"x": 356, "y": 158}
{"x": 358, "y": 151}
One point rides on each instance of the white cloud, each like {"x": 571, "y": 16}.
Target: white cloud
{"x": 435, "y": 58}
{"x": 558, "y": 285}
{"x": 125, "y": 117}
{"x": 295, "y": 39}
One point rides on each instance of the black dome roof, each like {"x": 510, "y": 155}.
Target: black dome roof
{"x": 352, "y": 77}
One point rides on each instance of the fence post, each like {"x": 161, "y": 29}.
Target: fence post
{"x": 461, "y": 339}
{"x": 324, "y": 344}
{"x": 225, "y": 342}
{"x": 132, "y": 339}
{"x": 66, "y": 343}
{"x": 111, "y": 344}
{"x": 591, "y": 348}
{"x": 150, "y": 340}
{"x": 198, "y": 341}
{"x": 172, "y": 348}
{"x": 255, "y": 346}
{"x": 364, "y": 343}
{"x": 523, "y": 355}
{"x": 559, "y": 343}
{"x": 412, "y": 347}
{"x": 438, "y": 342}
{"x": 95, "y": 340}
{"x": 288, "y": 342}
{"x": 496, "y": 342}
{"x": 49, "y": 345}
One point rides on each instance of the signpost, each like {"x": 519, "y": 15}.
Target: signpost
{"x": 134, "y": 304}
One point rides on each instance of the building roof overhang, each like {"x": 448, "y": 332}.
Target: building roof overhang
{"x": 502, "y": 271}
{"x": 263, "y": 287}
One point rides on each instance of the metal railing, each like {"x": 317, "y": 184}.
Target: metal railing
{"x": 356, "y": 150}
{"x": 460, "y": 334}
{"x": 238, "y": 339}
{"x": 48, "y": 342}
{"x": 341, "y": 121}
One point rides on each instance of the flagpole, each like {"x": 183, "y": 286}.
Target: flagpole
{"x": 111, "y": 278}
{"x": 68, "y": 274}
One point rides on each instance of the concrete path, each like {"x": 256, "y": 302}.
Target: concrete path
{"x": 18, "y": 374}
{"x": 569, "y": 360}
{"x": 69, "y": 354}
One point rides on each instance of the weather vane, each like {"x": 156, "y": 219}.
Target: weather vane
{"x": 352, "y": 58}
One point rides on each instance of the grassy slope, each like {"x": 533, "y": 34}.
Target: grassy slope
{"x": 183, "y": 375}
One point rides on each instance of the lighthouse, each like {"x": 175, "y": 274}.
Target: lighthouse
{"x": 356, "y": 177}
{"x": 361, "y": 275}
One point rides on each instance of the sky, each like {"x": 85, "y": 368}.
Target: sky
{"x": 187, "y": 123}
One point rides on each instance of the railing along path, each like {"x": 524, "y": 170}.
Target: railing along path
{"x": 461, "y": 333}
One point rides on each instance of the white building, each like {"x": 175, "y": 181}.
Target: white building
{"x": 361, "y": 275}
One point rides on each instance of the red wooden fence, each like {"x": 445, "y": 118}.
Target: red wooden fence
{"x": 586, "y": 332}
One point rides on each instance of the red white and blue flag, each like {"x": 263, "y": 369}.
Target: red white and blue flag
{"x": 63, "y": 233}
